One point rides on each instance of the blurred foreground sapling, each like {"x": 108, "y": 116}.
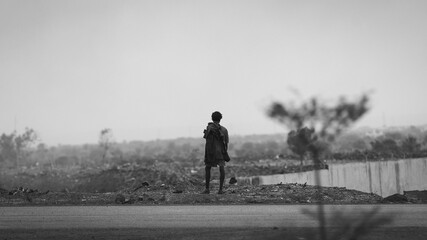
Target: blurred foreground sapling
{"x": 327, "y": 122}
{"x": 313, "y": 121}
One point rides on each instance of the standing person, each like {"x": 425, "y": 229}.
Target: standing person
{"x": 215, "y": 150}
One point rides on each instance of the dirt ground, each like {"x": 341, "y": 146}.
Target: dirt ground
{"x": 191, "y": 194}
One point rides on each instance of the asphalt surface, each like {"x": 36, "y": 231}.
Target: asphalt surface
{"x": 229, "y": 216}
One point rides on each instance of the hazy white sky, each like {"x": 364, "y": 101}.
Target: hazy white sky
{"x": 158, "y": 69}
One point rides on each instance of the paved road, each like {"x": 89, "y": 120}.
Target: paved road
{"x": 244, "y": 216}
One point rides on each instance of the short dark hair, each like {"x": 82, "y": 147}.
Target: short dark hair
{"x": 216, "y": 116}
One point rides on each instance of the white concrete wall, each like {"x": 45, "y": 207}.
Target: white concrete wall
{"x": 383, "y": 178}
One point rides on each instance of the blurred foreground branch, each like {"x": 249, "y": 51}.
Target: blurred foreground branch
{"x": 313, "y": 121}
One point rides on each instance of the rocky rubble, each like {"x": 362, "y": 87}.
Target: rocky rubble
{"x": 190, "y": 194}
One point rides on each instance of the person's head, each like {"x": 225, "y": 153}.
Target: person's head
{"x": 216, "y": 116}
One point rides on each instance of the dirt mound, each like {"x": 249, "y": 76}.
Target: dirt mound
{"x": 130, "y": 176}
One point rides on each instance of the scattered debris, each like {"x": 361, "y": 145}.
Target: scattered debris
{"x": 129, "y": 200}
{"x": 120, "y": 199}
{"x": 142, "y": 185}
{"x": 3, "y": 191}
{"x": 190, "y": 194}
{"x": 22, "y": 190}
{"x": 233, "y": 180}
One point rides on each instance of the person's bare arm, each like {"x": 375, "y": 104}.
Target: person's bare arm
{"x": 226, "y": 139}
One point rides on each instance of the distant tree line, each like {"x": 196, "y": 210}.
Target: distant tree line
{"x": 14, "y": 147}
{"x": 385, "y": 148}
{"x": 25, "y": 149}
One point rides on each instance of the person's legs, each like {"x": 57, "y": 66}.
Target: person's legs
{"x": 221, "y": 179}
{"x": 207, "y": 178}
